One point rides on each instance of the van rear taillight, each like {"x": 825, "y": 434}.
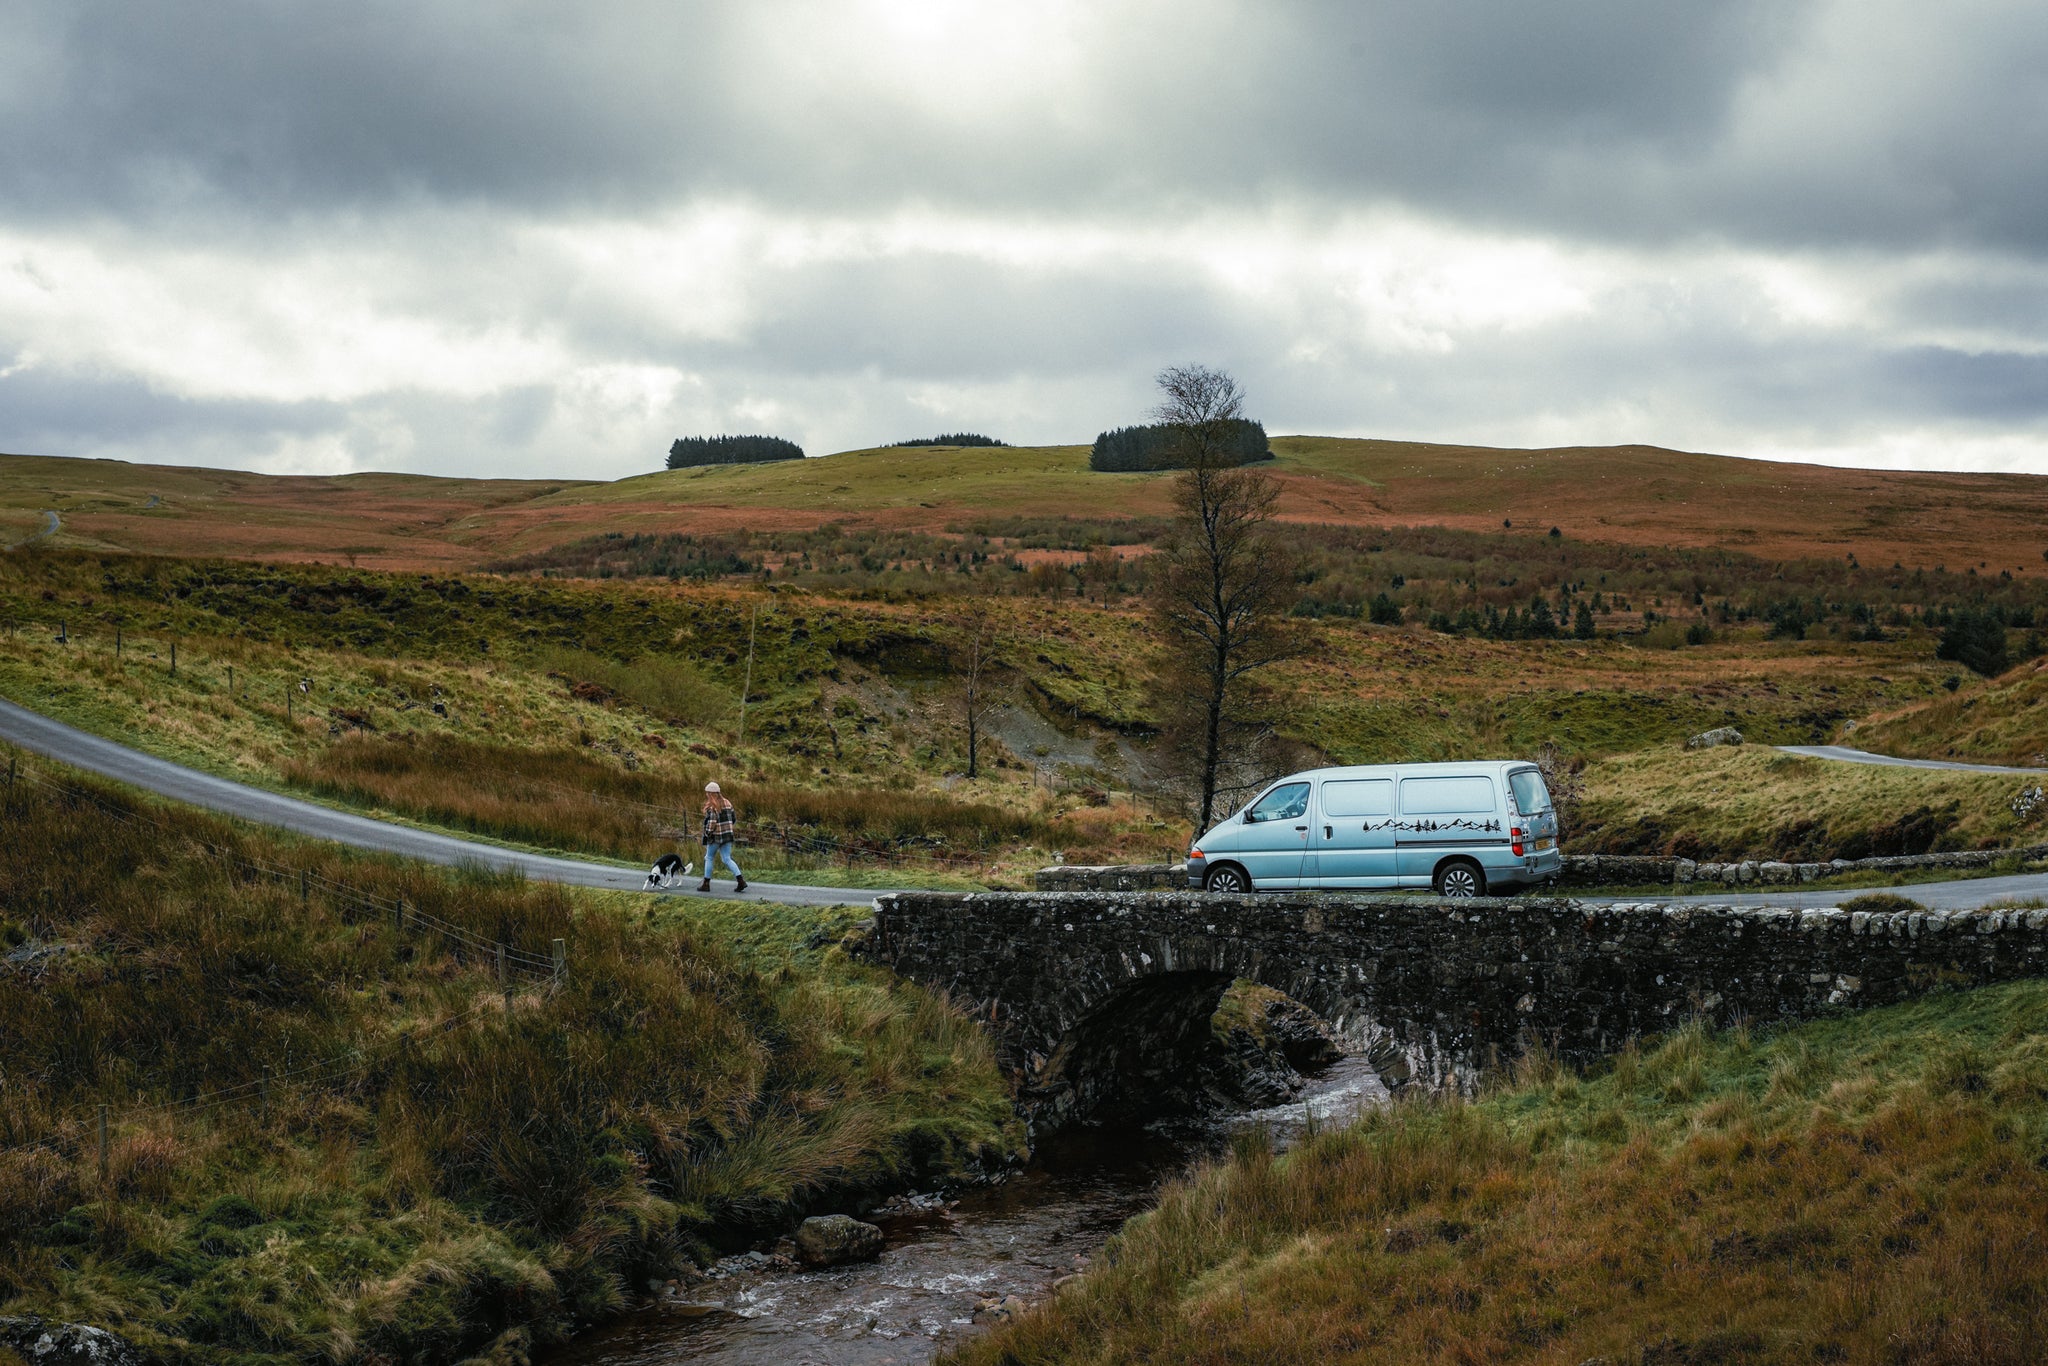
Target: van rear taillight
{"x": 1515, "y": 834}
{"x": 1194, "y": 853}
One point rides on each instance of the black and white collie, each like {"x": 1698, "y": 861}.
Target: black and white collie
{"x": 668, "y": 870}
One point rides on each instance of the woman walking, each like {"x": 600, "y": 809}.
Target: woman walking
{"x": 718, "y": 832}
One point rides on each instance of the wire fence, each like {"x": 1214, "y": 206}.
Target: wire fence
{"x": 402, "y": 914}
{"x": 512, "y": 965}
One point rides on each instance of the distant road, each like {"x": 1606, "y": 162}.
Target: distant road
{"x": 1858, "y": 756}
{"x": 55, "y": 740}
{"x": 52, "y": 524}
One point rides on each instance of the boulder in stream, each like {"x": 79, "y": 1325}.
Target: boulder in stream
{"x": 830, "y": 1239}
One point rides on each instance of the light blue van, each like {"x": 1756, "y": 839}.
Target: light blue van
{"x": 1463, "y": 829}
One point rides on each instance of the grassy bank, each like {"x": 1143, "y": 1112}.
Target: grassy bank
{"x": 1864, "y": 1189}
{"x": 1990, "y": 721}
{"x": 332, "y": 1137}
{"x": 1750, "y": 801}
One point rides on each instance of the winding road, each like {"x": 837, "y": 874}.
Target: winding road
{"x": 67, "y": 744}
{"x": 52, "y": 524}
{"x": 55, "y": 740}
{"x": 1843, "y": 754}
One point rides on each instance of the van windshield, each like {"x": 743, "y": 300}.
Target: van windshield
{"x": 1531, "y": 796}
{"x": 1283, "y": 803}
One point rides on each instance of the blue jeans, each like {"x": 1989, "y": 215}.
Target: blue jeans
{"x": 720, "y": 850}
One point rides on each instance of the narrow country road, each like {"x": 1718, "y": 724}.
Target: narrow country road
{"x": 1846, "y": 755}
{"x": 52, "y": 524}
{"x": 55, "y": 740}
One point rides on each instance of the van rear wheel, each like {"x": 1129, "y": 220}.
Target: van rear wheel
{"x": 1460, "y": 878}
{"x": 1228, "y": 878}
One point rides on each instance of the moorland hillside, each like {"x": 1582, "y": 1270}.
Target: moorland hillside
{"x": 1640, "y": 496}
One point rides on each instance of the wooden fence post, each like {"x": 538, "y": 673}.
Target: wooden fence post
{"x": 103, "y": 1143}
{"x": 305, "y": 889}
{"x": 561, "y": 964}
{"x": 505, "y": 981}
{"x": 174, "y": 658}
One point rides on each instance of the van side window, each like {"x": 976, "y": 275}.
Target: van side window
{"x": 1359, "y": 797}
{"x": 1446, "y": 796}
{"x": 1283, "y": 803}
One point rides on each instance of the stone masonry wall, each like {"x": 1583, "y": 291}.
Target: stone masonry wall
{"x": 1433, "y": 988}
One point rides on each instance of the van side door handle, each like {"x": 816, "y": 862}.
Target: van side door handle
{"x": 1329, "y": 833}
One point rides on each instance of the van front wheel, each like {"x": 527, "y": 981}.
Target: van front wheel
{"x": 1460, "y": 878}
{"x": 1228, "y": 878}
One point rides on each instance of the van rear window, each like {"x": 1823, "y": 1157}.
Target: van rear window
{"x": 1446, "y": 796}
{"x": 1531, "y": 796}
{"x": 1359, "y": 797}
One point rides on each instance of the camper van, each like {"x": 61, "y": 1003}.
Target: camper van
{"x": 1463, "y": 829}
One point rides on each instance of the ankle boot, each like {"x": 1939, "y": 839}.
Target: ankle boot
{"x": 705, "y": 885}
{"x": 740, "y": 886}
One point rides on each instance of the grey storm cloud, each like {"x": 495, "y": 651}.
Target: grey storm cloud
{"x": 1734, "y": 117}
{"x": 467, "y": 237}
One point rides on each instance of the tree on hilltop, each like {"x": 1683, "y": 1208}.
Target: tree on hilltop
{"x": 730, "y": 450}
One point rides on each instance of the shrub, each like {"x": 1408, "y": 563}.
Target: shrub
{"x": 1976, "y": 640}
{"x": 667, "y": 688}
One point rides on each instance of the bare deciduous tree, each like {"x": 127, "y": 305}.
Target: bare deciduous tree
{"x": 1221, "y": 585}
{"x": 980, "y": 688}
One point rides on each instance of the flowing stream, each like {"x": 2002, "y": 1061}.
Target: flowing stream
{"x": 946, "y": 1263}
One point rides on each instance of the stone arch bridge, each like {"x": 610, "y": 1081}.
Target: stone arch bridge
{"x": 1094, "y": 997}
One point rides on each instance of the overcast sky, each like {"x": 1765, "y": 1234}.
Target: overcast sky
{"x": 546, "y": 239}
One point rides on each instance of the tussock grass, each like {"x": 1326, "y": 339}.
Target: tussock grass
{"x": 430, "y": 1173}
{"x": 1998, "y": 721}
{"x": 1868, "y": 1189}
{"x": 1751, "y": 801}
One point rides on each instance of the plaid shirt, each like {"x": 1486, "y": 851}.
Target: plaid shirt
{"x": 718, "y": 823}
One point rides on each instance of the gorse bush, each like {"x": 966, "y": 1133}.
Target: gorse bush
{"x": 730, "y": 450}
{"x": 406, "y": 1169}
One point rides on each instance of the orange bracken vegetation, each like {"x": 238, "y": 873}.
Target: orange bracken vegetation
{"x": 1634, "y": 495}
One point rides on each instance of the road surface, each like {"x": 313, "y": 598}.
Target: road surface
{"x": 55, "y": 740}
{"x": 1858, "y": 756}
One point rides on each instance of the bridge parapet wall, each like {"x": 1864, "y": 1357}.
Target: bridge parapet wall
{"x": 1437, "y": 987}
